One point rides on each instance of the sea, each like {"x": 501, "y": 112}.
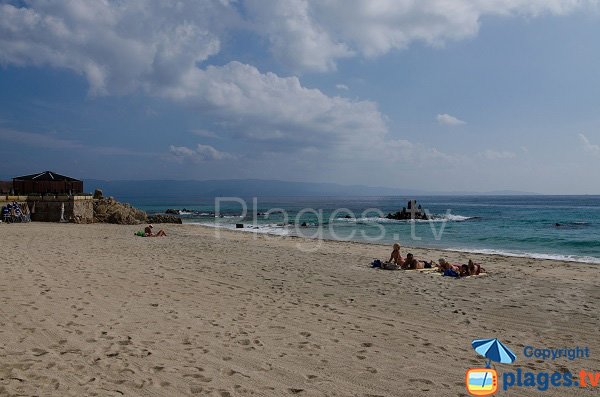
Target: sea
{"x": 547, "y": 227}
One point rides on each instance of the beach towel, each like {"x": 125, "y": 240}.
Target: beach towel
{"x": 390, "y": 266}
{"x": 451, "y": 273}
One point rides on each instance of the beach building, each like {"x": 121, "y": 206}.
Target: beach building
{"x": 47, "y": 182}
{"x": 5, "y": 187}
{"x": 50, "y": 197}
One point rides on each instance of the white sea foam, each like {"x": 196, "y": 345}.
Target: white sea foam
{"x": 533, "y": 255}
{"x": 435, "y": 218}
{"x": 274, "y": 229}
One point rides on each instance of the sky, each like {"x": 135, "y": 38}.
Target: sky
{"x": 437, "y": 95}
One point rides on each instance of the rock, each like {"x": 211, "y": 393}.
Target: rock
{"x": 172, "y": 211}
{"x": 160, "y": 218}
{"x": 239, "y": 225}
{"x": 98, "y": 194}
{"x": 412, "y": 213}
{"x": 111, "y": 211}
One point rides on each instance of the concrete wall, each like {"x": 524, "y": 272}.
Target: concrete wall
{"x": 77, "y": 209}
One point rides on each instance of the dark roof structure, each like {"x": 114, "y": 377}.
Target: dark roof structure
{"x": 46, "y": 176}
{"x": 46, "y": 182}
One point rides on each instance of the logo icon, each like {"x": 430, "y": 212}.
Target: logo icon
{"x": 484, "y": 381}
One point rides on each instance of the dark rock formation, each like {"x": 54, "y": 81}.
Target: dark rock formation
{"x": 413, "y": 212}
{"x": 160, "y": 218}
{"x": 98, "y": 194}
{"x": 111, "y": 211}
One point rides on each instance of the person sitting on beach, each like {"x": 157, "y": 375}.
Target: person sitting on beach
{"x": 148, "y": 232}
{"x": 411, "y": 263}
{"x": 395, "y": 257}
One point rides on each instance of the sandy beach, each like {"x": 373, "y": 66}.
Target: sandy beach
{"x": 93, "y": 310}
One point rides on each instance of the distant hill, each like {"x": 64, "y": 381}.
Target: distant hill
{"x": 178, "y": 191}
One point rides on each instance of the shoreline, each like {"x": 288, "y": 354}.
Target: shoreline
{"x": 586, "y": 260}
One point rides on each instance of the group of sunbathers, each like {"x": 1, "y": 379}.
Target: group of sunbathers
{"x": 411, "y": 263}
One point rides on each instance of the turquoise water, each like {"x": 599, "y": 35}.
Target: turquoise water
{"x": 558, "y": 227}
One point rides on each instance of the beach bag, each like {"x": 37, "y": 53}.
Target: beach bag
{"x": 140, "y": 234}
{"x": 451, "y": 273}
{"x": 390, "y": 266}
{"x": 376, "y": 263}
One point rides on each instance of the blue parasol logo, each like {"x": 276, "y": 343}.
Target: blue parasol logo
{"x": 493, "y": 350}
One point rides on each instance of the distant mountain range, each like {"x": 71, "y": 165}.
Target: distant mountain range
{"x": 182, "y": 190}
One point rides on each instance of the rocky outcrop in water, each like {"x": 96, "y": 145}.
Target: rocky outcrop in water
{"x": 413, "y": 212}
{"x": 160, "y": 218}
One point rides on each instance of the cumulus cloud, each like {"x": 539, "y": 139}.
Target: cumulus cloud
{"x": 200, "y": 153}
{"x": 157, "y": 48}
{"x": 295, "y": 37}
{"x": 118, "y": 46}
{"x": 279, "y": 112}
{"x": 124, "y": 46}
{"x": 343, "y": 87}
{"x": 588, "y": 146}
{"x": 491, "y": 154}
{"x": 446, "y": 119}
{"x": 164, "y": 49}
{"x": 313, "y": 35}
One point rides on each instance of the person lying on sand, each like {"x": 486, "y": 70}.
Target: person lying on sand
{"x": 395, "y": 257}
{"x": 471, "y": 269}
{"x": 445, "y": 265}
{"x": 411, "y": 263}
{"x": 148, "y": 232}
{"x": 474, "y": 269}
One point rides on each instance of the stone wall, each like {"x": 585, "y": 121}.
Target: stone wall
{"x": 77, "y": 209}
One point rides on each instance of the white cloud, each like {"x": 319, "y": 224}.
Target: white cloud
{"x": 296, "y": 38}
{"x": 265, "y": 107}
{"x": 343, "y": 87}
{"x": 162, "y": 49}
{"x": 119, "y": 47}
{"x": 314, "y": 34}
{"x": 491, "y": 154}
{"x": 447, "y": 119}
{"x": 200, "y": 153}
{"x": 588, "y": 146}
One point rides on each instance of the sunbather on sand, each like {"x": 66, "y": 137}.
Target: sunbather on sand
{"x": 395, "y": 257}
{"x": 445, "y": 265}
{"x": 411, "y": 263}
{"x": 474, "y": 269}
{"x": 148, "y": 232}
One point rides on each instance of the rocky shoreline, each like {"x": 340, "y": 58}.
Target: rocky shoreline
{"x": 109, "y": 210}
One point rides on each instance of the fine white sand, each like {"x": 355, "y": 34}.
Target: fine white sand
{"x": 94, "y": 310}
